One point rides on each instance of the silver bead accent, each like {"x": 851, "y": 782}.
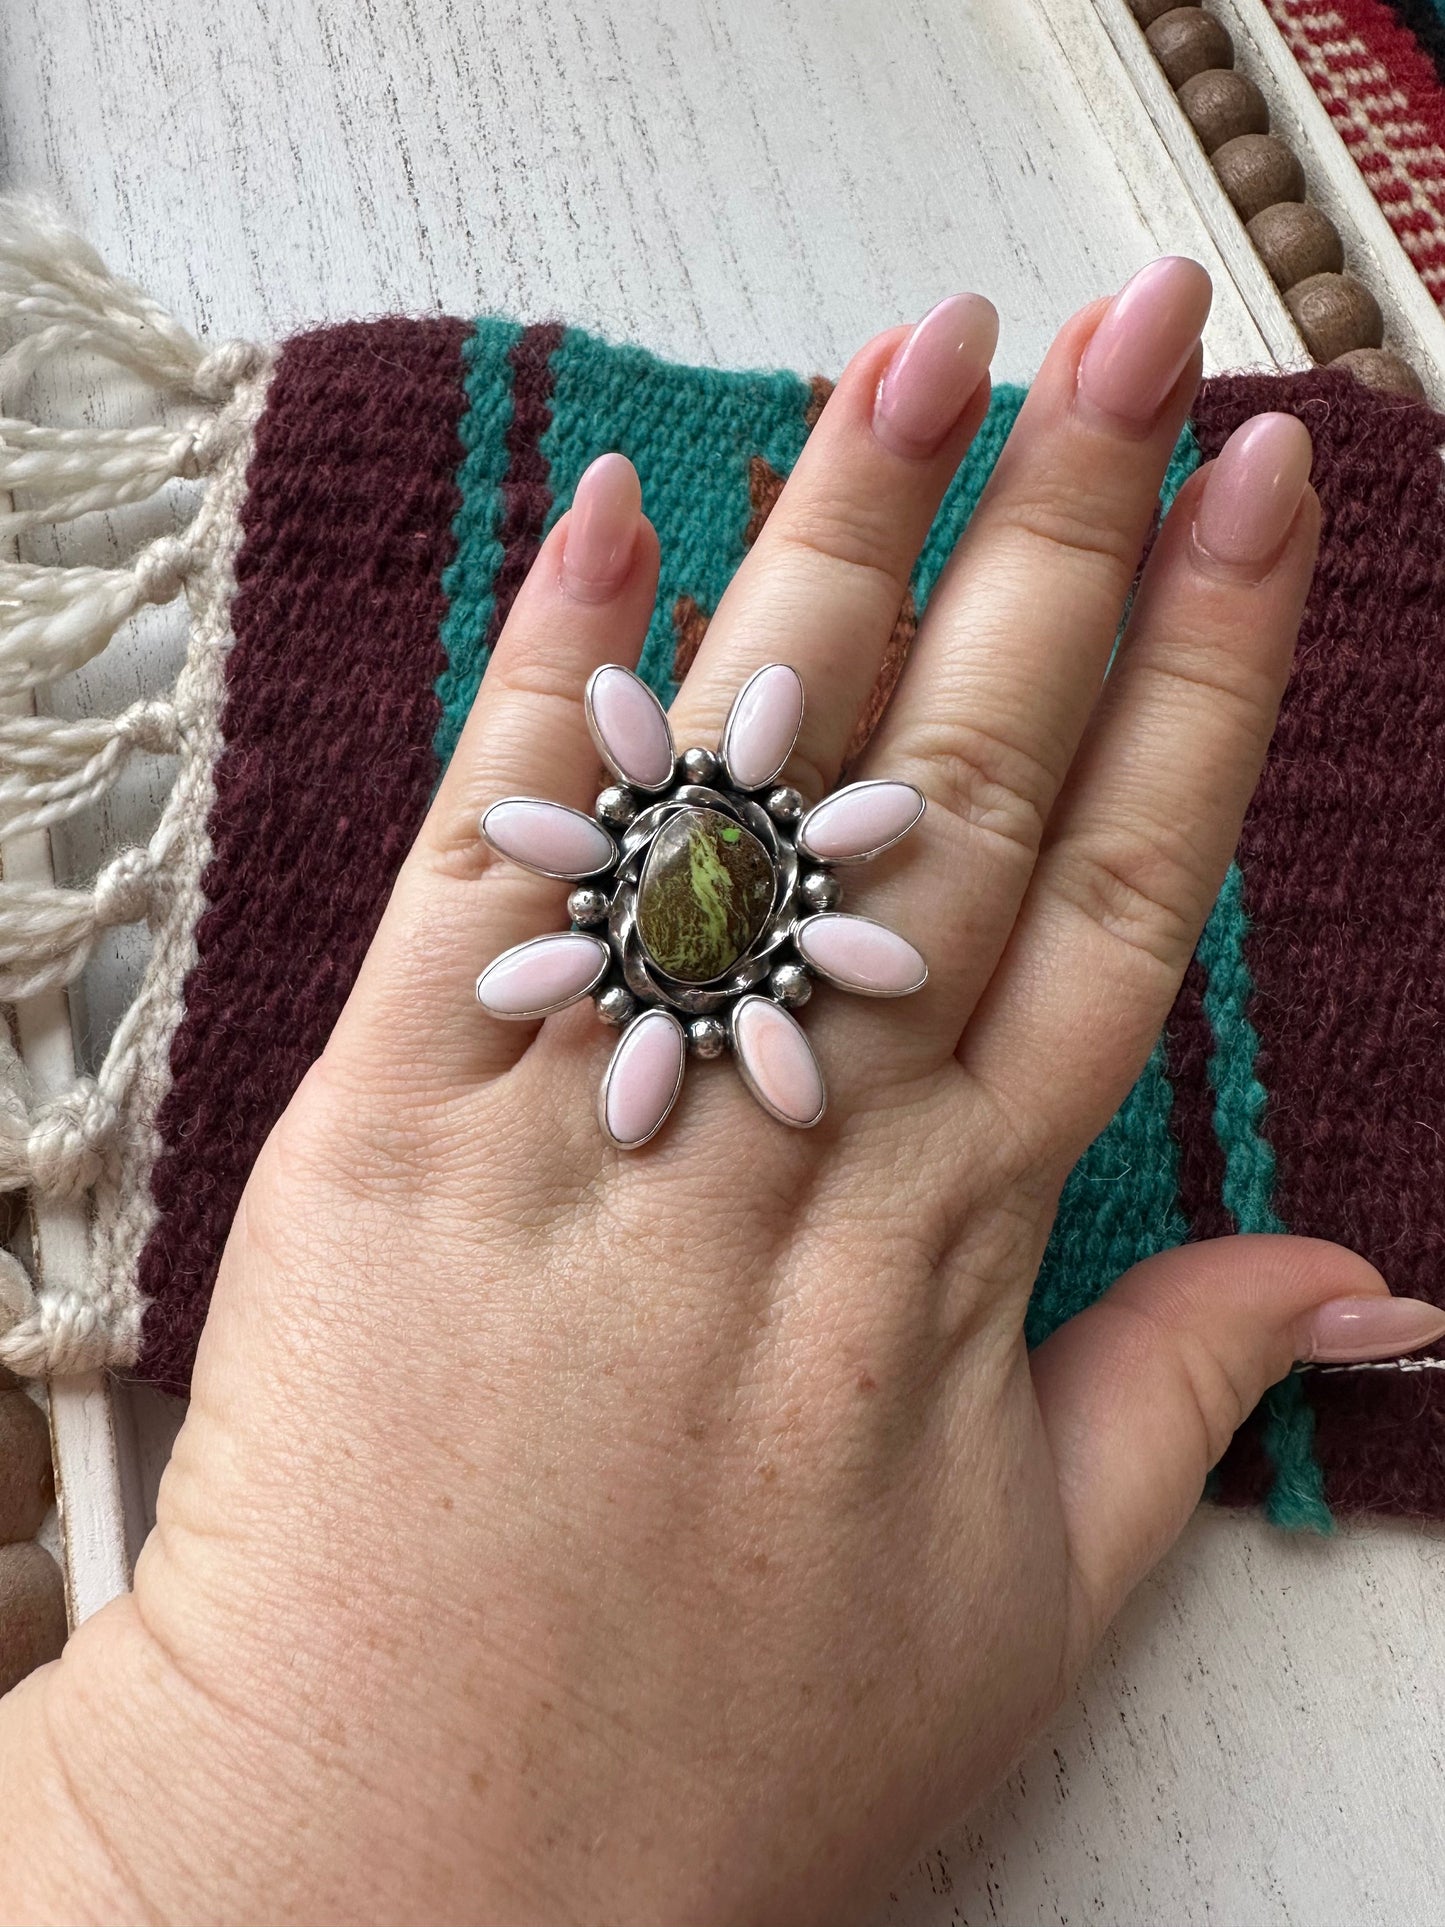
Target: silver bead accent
{"x": 699, "y": 766}
{"x": 790, "y": 985}
{"x": 819, "y": 890}
{"x": 588, "y": 905}
{"x": 707, "y": 1037}
{"x": 785, "y": 805}
{"x": 615, "y": 806}
{"x": 616, "y": 1006}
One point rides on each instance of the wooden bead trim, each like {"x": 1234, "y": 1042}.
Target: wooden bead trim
{"x": 32, "y": 1592}
{"x": 1337, "y": 316}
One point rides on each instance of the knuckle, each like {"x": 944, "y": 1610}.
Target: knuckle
{"x": 1219, "y": 677}
{"x": 1145, "y": 890}
{"x": 542, "y": 683}
{"x": 984, "y": 779}
{"x": 839, "y": 534}
{"x": 359, "y": 1132}
{"x": 538, "y": 710}
{"x": 1147, "y": 1338}
{"x": 1221, "y": 1401}
{"x": 1066, "y": 517}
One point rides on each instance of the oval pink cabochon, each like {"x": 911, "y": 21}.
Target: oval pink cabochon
{"x": 856, "y": 821}
{"x": 859, "y": 954}
{"x": 643, "y": 1078}
{"x": 779, "y": 1061}
{"x": 629, "y": 720}
{"x": 763, "y": 725}
{"x": 542, "y": 976}
{"x": 548, "y": 837}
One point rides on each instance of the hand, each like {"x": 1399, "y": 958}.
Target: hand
{"x": 686, "y": 1535}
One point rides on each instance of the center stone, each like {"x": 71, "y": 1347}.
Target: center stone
{"x": 706, "y": 892}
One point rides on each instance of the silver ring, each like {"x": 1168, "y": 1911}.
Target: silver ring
{"x": 706, "y": 902}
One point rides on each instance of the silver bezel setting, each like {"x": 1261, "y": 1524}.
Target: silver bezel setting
{"x": 844, "y": 983}
{"x": 624, "y": 781}
{"x": 636, "y": 1143}
{"x": 644, "y": 977}
{"x": 725, "y": 747}
{"x": 863, "y": 856}
{"x": 758, "y": 1094}
{"x": 558, "y": 876}
{"x": 532, "y": 1016}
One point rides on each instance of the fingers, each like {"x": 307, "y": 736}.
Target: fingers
{"x": 1017, "y": 636}
{"x": 1138, "y": 845}
{"x": 456, "y": 904}
{"x": 822, "y": 586}
{"x": 1141, "y": 1393}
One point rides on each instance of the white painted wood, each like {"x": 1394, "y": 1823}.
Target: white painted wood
{"x": 1257, "y": 1744}
{"x": 739, "y": 181}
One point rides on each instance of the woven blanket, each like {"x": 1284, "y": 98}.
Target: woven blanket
{"x": 372, "y": 495}
{"x": 1378, "y": 67}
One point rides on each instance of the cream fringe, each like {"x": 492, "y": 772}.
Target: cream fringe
{"x": 58, "y": 299}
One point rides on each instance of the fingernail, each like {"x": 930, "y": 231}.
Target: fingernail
{"x": 1252, "y": 493}
{"x": 932, "y": 375}
{"x": 602, "y": 529}
{"x": 1351, "y": 1330}
{"x": 1144, "y": 342}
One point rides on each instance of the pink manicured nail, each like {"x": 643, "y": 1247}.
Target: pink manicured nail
{"x": 1252, "y": 494}
{"x": 1144, "y": 342}
{"x": 925, "y": 386}
{"x": 1349, "y": 1330}
{"x": 602, "y": 530}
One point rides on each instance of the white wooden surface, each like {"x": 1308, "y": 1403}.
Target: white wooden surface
{"x": 767, "y": 181}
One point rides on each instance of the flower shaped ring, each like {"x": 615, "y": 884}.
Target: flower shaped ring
{"x": 706, "y": 902}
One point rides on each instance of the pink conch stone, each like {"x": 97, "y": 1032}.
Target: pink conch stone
{"x": 778, "y": 1062}
{"x": 643, "y": 1078}
{"x": 857, "y": 954}
{"x": 536, "y": 978}
{"x": 858, "y": 821}
{"x": 763, "y": 726}
{"x": 548, "y": 837}
{"x": 630, "y": 727}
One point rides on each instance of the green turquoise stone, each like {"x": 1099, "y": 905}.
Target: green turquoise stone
{"x": 706, "y": 892}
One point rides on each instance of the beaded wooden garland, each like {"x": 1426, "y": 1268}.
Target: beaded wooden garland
{"x": 1337, "y": 317}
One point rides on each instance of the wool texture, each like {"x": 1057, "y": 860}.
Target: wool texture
{"x": 352, "y": 580}
{"x": 1340, "y": 857}
{"x": 330, "y": 715}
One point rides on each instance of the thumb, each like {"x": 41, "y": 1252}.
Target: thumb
{"x": 1141, "y": 1393}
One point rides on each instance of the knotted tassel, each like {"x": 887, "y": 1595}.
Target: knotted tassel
{"x": 60, "y": 1149}
{"x": 75, "y": 471}
{"x": 57, "y": 295}
{"x": 55, "y": 620}
{"x": 58, "y": 299}
{"x": 47, "y": 934}
{"x": 51, "y": 767}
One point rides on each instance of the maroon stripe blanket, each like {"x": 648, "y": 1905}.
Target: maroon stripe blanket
{"x": 371, "y": 496}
